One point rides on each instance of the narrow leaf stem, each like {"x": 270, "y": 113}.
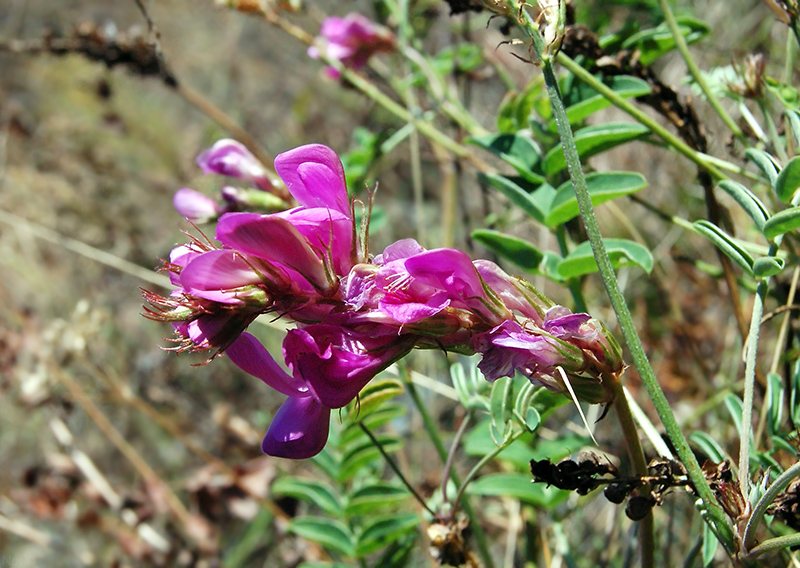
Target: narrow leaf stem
{"x": 679, "y": 145}
{"x": 448, "y": 465}
{"x": 697, "y": 75}
{"x": 484, "y": 460}
{"x": 433, "y": 433}
{"x": 708, "y": 503}
{"x": 395, "y": 468}
{"x": 749, "y": 388}
{"x": 761, "y": 506}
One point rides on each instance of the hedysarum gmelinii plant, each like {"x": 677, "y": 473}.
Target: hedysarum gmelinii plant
{"x": 355, "y": 315}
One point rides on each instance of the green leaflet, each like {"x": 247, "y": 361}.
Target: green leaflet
{"x": 594, "y": 140}
{"x": 622, "y": 252}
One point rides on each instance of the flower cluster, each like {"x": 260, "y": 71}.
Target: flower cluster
{"x": 231, "y": 159}
{"x": 352, "y": 40}
{"x": 356, "y": 315}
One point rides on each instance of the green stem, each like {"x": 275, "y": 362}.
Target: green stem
{"x": 772, "y": 131}
{"x": 636, "y": 453}
{"x": 433, "y": 432}
{"x": 773, "y": 544}
{"x": 697, "y": 75}
{"x": 750, "y": 378}
{"x": 760, "y": 509}
{"x": 708, "y": 503}
{"x": 484, "y": 460}
{"x": 395, "y": 469}
{"x": 573, "y": 283}
{"x": 448, "y": 465}
{"x": 679, "y": 145}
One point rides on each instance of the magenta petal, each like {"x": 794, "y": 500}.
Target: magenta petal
{"x": 447, "y": 269}
{"x": 180, "y": 257}
{"x": 325, "y": 230}
{"x": 194, "y": 206}
{"x": 211, "y": 274}
{"x": 299, "y": 429}
{"x": 206, "y": 328}
{"x": 404, "y": 248}
{"x": 314, "y": 176}
{"x": 274, "y": 239}
{"x": 336, "y": 362}
{"x": 250, "y": 356}
{"x": 231, "y": 158}
{"x": 410, "y": 312}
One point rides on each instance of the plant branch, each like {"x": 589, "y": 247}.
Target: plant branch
{"x": 708, "y": 503}
{"x": 675, "y": 142}
{"x": 697, "y": 75}
{"x": 781, "y": 483}
{"x": 639, "y": 461}
{"x": 395, "y": 469}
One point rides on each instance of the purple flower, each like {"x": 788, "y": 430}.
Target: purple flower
{"x": 195, "y": 206}
{"x": 337, "y": 362}
{"x": 516, "y": 294}
{"x": 330, "y": 364}
{"x": 352, "y": 40}
{"x": 230, "y": 158}
{"x": 508, "y": 348}
{"x": 314, "y": 176}
{"x": 599, "y": 347}
{"x": 425, "y": 283}
{"x": 299, "y": 428}
{"x": 277, "y": 241}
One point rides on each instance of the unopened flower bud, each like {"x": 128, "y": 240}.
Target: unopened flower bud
{"x": 241, "y": 199}
{"x": 352, "y": 40}
{"x": 231, "y": 158}
{"x": 195, "y": 206}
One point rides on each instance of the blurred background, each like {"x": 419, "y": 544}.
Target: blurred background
{"x": 97, "y": 421}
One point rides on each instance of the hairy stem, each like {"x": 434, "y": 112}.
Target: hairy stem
{"x": 708, "y": 503}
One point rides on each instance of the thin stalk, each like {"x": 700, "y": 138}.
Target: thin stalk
{"x": 749, "y": 382}
{"x": 697, "y": 75}
{"x": 448, "y": 465}
{"x": 708, "y": 503}
{"x": 776, "y": 356}
{"x": 433, "y": 433}
{"x": 772, "y": 131}
{"x": 761, "y": 506}
{"x": 405, "y": 34}
{"x": 679, "y": 145}
{"x": 362, "y": 84}
{"x": 212, "y": 111}
{"x": 88, "y": 251}
{"x": 395, "y": 469}
{"x": 484, "y": 460}
{"x": 636, "y": 453}
{"x": 172, "y": 501}
{"x": 573, "y": 283}
{"x": 773, "y": 544}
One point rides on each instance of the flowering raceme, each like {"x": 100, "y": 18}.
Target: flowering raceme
{"x": 356, "y": 315}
